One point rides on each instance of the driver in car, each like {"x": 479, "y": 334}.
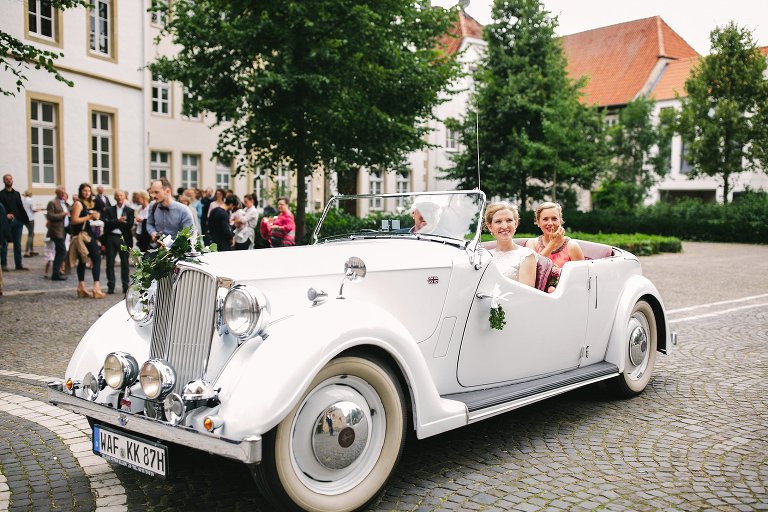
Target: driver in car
{"x": 426, "y": 216}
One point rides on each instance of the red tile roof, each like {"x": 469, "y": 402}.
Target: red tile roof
{"x": 672, "y": 79}
{"x": 619, "y": 59}
{"x": 465, "y": 26}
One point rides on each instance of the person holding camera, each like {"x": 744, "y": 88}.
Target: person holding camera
{"x": 166, "y": 216}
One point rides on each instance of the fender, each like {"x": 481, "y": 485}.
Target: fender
{"x": 637, "y": 286}
{"x": 298, "y": 347}
{"x": 114, "y": 330}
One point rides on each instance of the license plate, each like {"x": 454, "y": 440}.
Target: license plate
{"x": 143, "y": 456}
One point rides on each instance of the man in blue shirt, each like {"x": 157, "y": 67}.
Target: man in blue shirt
{"x": 166, "y": 216}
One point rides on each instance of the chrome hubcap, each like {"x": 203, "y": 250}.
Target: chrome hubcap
{"x": 335, "y": 463}
{"x": 340, "y": 435}
{"x": 638, "y": 336}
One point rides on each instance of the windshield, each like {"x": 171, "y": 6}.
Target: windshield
{"x": 451, "y": 216}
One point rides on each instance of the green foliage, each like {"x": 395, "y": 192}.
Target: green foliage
{"x": 535, "y": 137}
{"x": 742, "y": 221}
{"x": 640, "y": 155}
{"x": 17, "y": 57}
{"x": 339, "y": 222}
{"x": 158, "y": 263}
{"x": 329, "y": 84}
{"x": 724, "y": 118}
{"x": 639, "y": 244}
{"x": 497, "y": 318}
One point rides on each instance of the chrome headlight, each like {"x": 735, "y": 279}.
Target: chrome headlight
{"x": 157, "y": 379}
{"x": 174, "y": 408}
{"x": 140, "y": 306}
{"x": 91, "y": 387}
{"x": 120, "y": 370}
{"x": 245, "y": 311}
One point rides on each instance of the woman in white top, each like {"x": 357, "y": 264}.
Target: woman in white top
{"x": 514, "y": 261}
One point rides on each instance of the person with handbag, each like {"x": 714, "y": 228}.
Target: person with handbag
{"x": 84, "y": 243}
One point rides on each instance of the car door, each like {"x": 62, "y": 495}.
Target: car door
{"x": 544, "y": 333}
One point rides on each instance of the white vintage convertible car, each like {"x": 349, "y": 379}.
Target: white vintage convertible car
{"x": 309, "y": 364}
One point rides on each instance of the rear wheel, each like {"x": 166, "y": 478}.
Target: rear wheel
{"x": 336, "y": 449}
{"x": 640, "y": 345}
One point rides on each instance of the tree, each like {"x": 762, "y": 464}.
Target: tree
{"x": 330, "y": 84}
{"x": 16, "y": 57}
{"x": 536, "y": 139}
{"x": 640, "y": 155}
{"x": 724, "y": 118}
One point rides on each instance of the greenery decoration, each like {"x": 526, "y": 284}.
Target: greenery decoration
{"x": 158, "y": 263}
{"x": 498, "y": 318}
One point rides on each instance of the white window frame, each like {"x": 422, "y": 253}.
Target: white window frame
{"x": 375, "y": 186}
{"x": 451, "y": 139}
{"x": 158, "y": 19}
{"x": 282, "y": 181}
{"x": 190, "y": 170}
{"x": 196, "y": 116}
{"x": 161, "y": 97}
{"x": 223, "y": 175}
{"x": 41, "y": 127}
{"x": 159, "y": 168}
{"x": 102, "y": 174}
{"x": 38, "y": 16}
{"x": 402, "y": 186}
{"x": 97, "y": 34}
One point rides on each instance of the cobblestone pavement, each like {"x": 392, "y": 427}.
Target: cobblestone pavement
{"x": 696, "y": 439}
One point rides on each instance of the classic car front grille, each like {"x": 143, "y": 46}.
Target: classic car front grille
{"x": 183, "y": 329}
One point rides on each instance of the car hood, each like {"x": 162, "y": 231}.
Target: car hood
{"x": 408, "y": 278}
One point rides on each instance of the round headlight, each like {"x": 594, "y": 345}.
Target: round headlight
{"x": 174, "y": 408}
{"x": 120, "y": 370}
{"x": 90, "y": 387}
{"x": 157, "y": 379}
{"x": 246, "y": 311}
{"x": 140, "y": 306}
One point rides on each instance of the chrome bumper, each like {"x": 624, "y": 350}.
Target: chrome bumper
{"x": 247, "y": 450}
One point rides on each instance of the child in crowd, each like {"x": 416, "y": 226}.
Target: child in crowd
{"x": 244, "y": 235}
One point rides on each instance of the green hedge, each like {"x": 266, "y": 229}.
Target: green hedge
{"x": 638, "y": 244}
{"x": 742, "y": 221}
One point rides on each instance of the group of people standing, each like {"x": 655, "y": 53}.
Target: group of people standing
{"x": 79, "y": 233}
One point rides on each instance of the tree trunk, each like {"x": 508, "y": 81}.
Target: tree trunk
{"x": 301, "y": 191}
{"x": 726, "y": 186}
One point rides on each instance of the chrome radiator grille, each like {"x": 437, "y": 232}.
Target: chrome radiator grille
{"x": 183, "y": 327}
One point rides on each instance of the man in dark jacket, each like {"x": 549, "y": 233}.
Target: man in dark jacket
{"x": 118, "y": 220}
{"x": 5, "y": 233}
{"x": 17, "y": 219}
{"x": 219, "y": 230}
{"x": 57, "y": 213}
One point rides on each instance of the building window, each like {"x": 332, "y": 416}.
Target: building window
{"x": 451, "y": 139}
{"x": 402, "y": 186}
{"x": 161, "y": 97}
{"x": 190, "y": 169}
{"x": 101, "y": 148}
{"x": 41, "y": 19}
{"x": 375, "y": 184}
{"x": 282, "y": 181}
{"x": 43, "y": 138}
{"x": 159, "y": 165}
{"x": 100, "y": 27}
{"x": 188, "y": 110}
{"x": 308, "y": 193}
{"x": 685, "y": 165}
{"x": 223, "y": 174}
{"x": 159, "y": 17}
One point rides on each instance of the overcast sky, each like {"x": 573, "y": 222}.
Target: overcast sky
{"x": 692, "y": 19}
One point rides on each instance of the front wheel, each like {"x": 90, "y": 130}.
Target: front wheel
{"x": 336, "y": 449}
{"x": 640, "y": 342}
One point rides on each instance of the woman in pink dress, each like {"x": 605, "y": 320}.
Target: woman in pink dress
{"x": 553, "y": 243}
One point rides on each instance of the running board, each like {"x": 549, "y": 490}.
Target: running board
{"x": 484, "y": 403}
